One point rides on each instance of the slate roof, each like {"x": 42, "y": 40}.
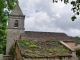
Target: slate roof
{"x": 44, "y": 36}
{"x": 30, "y": 48}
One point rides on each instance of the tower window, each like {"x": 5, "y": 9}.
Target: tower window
{"x": 16, "y": 23}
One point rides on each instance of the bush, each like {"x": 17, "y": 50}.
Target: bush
{"x": 78, "y": 52}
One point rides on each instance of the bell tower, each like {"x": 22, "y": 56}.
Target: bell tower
{"x": 15, "y": 27}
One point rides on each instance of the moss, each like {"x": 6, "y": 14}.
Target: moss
{"x": 33, "y": 46}
{"x": 28, "y": 51}
{"x": 52, "y": 50}
{"x": 27, "y": 43}
{"x": 42, "y": 49}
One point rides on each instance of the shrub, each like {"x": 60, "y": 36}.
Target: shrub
{"x": 78, "y": 51}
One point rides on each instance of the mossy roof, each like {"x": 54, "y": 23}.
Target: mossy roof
{"x": 30, "y": 48}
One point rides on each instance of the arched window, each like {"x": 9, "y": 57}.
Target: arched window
{"x": 16, "y": 23}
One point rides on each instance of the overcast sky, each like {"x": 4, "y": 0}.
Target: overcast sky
{"x": 46, "y": 16}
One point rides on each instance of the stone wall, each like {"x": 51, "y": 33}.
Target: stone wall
{"x": 1, "y": 57}
{"x": 73, "y": 45}
{"x": 17, "y": 52}
{"x": 78, "y": 45}
{"x": 6, "y": 57}
{"x": 54, "y": 58}
{"x": 13, "y": 34}
{"x": 12, "y": 20}
{"x": 69, "y": 48}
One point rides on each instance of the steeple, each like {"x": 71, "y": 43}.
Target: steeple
{"x": 17, "y": 10}
{"x": 15, "y": 26}
{"x": 16, "y": 18}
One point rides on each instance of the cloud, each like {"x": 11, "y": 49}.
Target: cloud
{"x": 44, "y": 15}
{"x": 73, "y": 32}
{"x": 58, "y": 16}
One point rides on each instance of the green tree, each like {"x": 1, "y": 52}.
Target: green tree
{"x": 77, "y": 38}
{"x": 5, "y": 7}
{"x": 75, "y": 8}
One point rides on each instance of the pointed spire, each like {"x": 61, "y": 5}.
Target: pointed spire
{"x": 17, "y": 10}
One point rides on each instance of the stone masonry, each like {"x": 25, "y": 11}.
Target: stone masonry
{"x": 13, "y": 33}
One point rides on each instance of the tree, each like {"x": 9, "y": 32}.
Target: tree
{"x": 75, "y": 8}
{"x": 5, "y": 7}
{"x": 77, "y": 38}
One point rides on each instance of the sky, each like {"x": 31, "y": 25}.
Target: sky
{"x": 46, "y": 16}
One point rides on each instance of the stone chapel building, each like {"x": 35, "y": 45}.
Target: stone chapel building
{"x": 16, "y": 32}
{"x": 15, "y": 26}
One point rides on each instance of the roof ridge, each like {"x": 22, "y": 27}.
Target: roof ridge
{"x": 44, "y": 32}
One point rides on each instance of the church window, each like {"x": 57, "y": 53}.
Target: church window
{"x": 16, "y": 23}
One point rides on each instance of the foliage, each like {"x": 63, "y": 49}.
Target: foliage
{"x": 77, "y": 38}
{"x": 5, "y": 7}
{"x": 78, "y": 52}
{"x": 2, "y": 46}
{"x": 75, "y": 8}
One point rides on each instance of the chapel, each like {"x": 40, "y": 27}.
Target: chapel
{"x": 16, "y": 31}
